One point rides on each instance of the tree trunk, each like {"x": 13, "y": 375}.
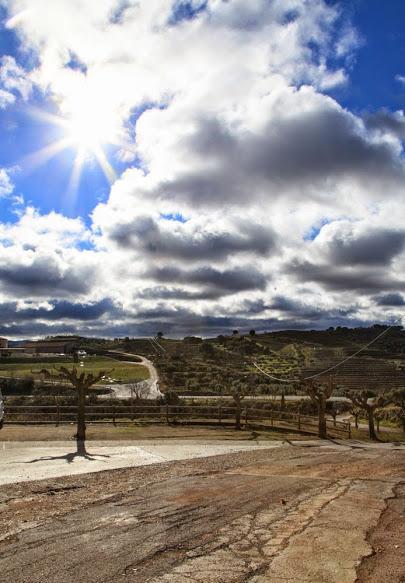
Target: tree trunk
{"x": 237, "y": 417}
{"x": 356, "y": 420}
{"x": 81, "y": 415}
{"x": 371, "y": 430}
{"x": 321, "y": 417}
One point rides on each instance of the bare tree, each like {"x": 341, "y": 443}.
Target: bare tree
{"x": 397, "y": 397}
{"x": 319, "y": 392}
{"x": 355, "y": 412}
{"x": 238, "y": 393}
{"x": 367, "y": 401}
{"x": 139, "y": 390}
{"x": 238, "y": 388}
{"x": 81, "y": 383}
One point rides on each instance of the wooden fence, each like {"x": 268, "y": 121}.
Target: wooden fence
{"x": 251, "y": 417}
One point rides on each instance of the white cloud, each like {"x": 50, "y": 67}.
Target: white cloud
{"x": 6, "y": 184}
{"x": 14, "y": 82}
{"x": 237, "y": 136}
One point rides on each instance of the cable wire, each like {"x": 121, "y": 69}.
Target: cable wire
{"x": 331, "y": 367}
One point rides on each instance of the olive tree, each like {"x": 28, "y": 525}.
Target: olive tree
{"x": 238, "y": 387}
{"x": 319, "y": 392}
{"x": 397, "y": 397}
{"x": 81, "y": 382}
{"x": 368, "y": 401}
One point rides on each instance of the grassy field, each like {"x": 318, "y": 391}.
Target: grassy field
{"x": 122, "y": 371}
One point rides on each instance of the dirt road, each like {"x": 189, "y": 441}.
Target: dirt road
{"x": 289, "y": 514}
{"x": 123, "y": 391}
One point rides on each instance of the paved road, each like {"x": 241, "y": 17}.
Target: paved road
{"x": 25, "y": 461}
{"x": 287, "y": 514}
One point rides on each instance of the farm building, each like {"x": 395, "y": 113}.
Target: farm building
{"x": 57, "y": 346}
{"x": 3, "y": 343}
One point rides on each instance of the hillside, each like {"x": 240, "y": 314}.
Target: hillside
{"x": 196, "y": 365}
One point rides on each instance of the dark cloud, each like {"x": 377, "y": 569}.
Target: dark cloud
{"x": 376, "y": 247}
{"x": 64, "y": 310}
{"x": 387, "y": 121}
{"x": 224, "y": 282}
{"x": 177, "y": 293}
{"x": 60, "y": 310}
{"x": 297, "y": 151}
{"x": 145, "y": 235}
{"x": 334, "y": 278}
{"x": 394, "y": 299}
{"x": 283, "y": 304}
{"x": 177, "y": 321}
{"x": 301, "y": 311}
{"x": 44, "y": 277}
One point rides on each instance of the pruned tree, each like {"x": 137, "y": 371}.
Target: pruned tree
{"x": 368, "y": 402}
{"x": 397, "y": 397}
{"x": 319, "y": 392}
{"x": 238, "y": 387}
{"x": 238, "y": 393}
{"x": 81, "y": 382}
{"x": 355, "y": 412}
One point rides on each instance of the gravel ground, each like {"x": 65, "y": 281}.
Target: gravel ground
{"x": 294, "y": 513}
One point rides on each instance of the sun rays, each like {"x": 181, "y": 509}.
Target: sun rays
{"x": 86, "y": 131}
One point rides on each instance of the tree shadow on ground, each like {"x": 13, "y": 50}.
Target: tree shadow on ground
{"x": 80, "y": 452}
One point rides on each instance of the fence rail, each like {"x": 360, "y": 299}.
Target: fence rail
{"x": 250, "y": 417}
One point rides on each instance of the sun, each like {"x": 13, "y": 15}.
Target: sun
{"x": 87, "y": 130}
{"x": 85, "y": 133}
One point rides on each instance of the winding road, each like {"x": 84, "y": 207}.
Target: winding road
{"x": 123, "y": 391}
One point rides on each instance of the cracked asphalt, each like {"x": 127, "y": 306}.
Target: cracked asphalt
{"x": 287, "y": 514}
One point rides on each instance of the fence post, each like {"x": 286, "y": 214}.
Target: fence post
{"x": 349, "y": 429}
{"x": 219, "y": 415}
{"x": 271, "y": 419}
{"x": 167, "y": 414}
{"x": 299, "y": 421}
{"x": 246, "y": 416}
{"x": 113, "y": 415}
{"x": 57, "y": 415}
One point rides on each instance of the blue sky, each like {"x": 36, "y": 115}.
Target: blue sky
{"x": 379, "y": 59}
{"x": 230, "y": 152}
{"x": 372, "y": 85}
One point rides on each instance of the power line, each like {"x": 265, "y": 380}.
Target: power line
{"x": 153, "y": 345}
{"x": 158, "y": 344}
{"x": 331, "y": 367}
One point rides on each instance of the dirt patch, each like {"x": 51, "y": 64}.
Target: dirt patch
{"x": 104, "y": 431}
{"x": 387, "y": 561}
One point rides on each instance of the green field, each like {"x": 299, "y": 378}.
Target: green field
{"x": 122, "y": 371}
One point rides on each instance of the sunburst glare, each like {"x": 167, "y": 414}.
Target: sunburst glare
{"x": 87, "y": 130}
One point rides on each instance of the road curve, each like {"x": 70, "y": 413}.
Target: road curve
{"x": 123, "y": 391}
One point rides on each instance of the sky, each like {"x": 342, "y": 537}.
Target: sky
{"x": 197, "y": 166}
